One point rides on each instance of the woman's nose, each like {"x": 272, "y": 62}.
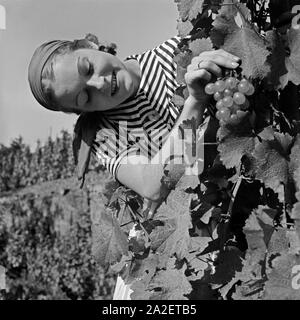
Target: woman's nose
{"x": 98, "y": 82}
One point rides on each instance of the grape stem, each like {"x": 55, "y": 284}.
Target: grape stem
{"x": 281, "y": 114}
{"x": 227, "y": 216}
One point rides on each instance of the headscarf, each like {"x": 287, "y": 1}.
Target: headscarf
{"x": 37, "y": 63}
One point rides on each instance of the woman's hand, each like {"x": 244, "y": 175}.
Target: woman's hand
{"x": 205, "y": 68}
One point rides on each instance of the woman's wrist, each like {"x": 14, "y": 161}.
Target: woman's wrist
{"x": 194, "y": 101}
{"x": 195, "y": 105}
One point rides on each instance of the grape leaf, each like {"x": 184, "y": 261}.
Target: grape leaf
{"x": 235, "y": 142}
{"x": 177, "y": 208}
{"x": 296, "y": 212}
{"x": 189, "y": 9}
{"x": 249, "y": 290}
{"x": 198, "y": 265}
{"x": 170, "y": 284}
{"x": 199, "y": 244}
{"x": 109, "y": 241}
{"x": 247, "y": 284}
{"x": 179, "y": 241}
{"x": 247, "y": 45}
{"x": 243, "y": 42}
{"x": 200, "y": 45}
{"x": 255, "y": 239}
{"x": 143, "y": 269}
{"x": 227, "y": 264}
{"x": 271, "y": 162}
{"x": 119, "y": 266}
{"x": 178, "y": 101}
{"x": 265, "y": 217}
{"x": 267, "y": 133}
{"x": 280, "y": 278}
{"x": 276, "y": 59}
{"x": 161, "y": 233}
{"x": 184, "y": 28}
{"x": 296, "y": 209}
{"x": 183, "y": 59}
{"x": 223, "y": 25}
{"x": 233, "y": 149}
{"x": 294, "y": 242}
{"x": 293, "y": 60}
{"x": 295, "y": 161}
{"x": 139, "y": 291}
{"x": 278, "y": 242}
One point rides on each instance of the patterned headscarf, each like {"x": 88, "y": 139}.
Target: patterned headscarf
{"x": 37, "y": 63}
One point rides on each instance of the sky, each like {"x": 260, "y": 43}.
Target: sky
{"x": 134, "y": 25}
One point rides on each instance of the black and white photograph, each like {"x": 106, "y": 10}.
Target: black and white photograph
{"x": 150, "y": 150}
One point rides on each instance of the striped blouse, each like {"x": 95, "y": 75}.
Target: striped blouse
{"x": 142, "y": 123}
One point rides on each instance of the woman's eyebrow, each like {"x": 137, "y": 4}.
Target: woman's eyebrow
{"x": 81, "y": 72}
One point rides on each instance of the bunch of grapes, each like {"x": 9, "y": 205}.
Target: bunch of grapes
{"x": 231, "y": 97}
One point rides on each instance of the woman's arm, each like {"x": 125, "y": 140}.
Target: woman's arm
{"x": 144, "y": 177}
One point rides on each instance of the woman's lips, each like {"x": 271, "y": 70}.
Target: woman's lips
{"x": 114, "y": 84}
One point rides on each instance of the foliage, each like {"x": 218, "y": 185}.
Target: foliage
{"x": 21, "y": 167}
{"x": 234, "y": 231}
{"x": 45, "y": 223}
{"x": 46, "y": 243}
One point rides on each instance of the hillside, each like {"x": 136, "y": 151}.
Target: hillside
{"x": 45, "y": 228}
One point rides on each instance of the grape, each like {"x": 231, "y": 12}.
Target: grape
{"x": 228, "y": 93}
{"x": 251, "y": 90}
{"x": 231, "y": 83}
{"x": 231, "y": 100}
{"x": 220, "y": 104}
{"x": 233, "y": 119}
{"x": 243, "y": 87}
{"x": 239, "y": 98}
{"x": 218, "y": 96}
{"x": 222, "y": 123}
{"x": 228, "y": 101}
{"x": 210, "y": 89}
{"x": 220, "y": 85}
{"x": 244, "y": 80}
{"x": 223, "y": 114}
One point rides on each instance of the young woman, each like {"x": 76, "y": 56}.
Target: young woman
{"x": 127, "y": 118}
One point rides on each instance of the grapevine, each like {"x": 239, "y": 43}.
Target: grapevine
{"x": 232, "y": 232}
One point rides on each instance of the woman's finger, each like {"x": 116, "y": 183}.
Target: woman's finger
{"x": 207, "y": 65}
{"x": 228, "y": 55}
{"x": 220, "y": 52}
{"x": 222, "y": 61}
{"x": 201, "y": 75}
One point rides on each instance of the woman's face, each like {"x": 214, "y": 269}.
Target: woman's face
{"x": 90, "y": 80}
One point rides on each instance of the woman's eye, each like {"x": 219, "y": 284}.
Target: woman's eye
{"x": 89, "y": 69}
{"x": 85, "y": 67}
